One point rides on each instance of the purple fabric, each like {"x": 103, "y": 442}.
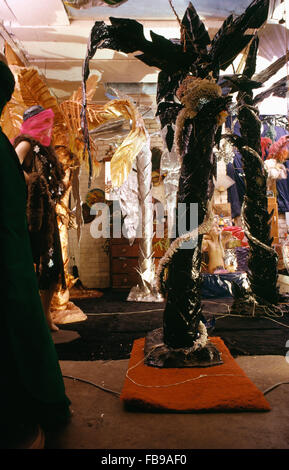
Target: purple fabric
{"x": 242, "y": 253}
{"x": 235, "y": 171}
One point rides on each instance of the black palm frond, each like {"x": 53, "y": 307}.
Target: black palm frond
{"x": 271, "y": 70}
{"x": 239, "y": 83}
{"x": 231, "y": 38}
{"x": 195, "y": 33}
{"x": 278, "y": 89}
{"x": 250, "y": 66}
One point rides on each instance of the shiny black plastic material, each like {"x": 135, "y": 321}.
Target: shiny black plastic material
{"x": 262, "y": 260}
{"x": 220, "y": 285}
{"x": 183, "y": 307}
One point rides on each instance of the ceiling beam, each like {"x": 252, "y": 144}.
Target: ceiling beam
{"x": 14, "y": 44}
{"x": 40, "y": 12}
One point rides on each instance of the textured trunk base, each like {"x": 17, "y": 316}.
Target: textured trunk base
{"x": 158, "y": 354}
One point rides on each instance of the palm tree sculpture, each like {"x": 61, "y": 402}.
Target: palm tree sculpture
{"x": 262, "y": 296}
{"x": 189, "y": 70}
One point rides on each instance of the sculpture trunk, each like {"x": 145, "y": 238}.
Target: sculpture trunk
{"x": 145, "y": 291}
{"x": 183, "y": 307}
{"x": 263, "y": 260}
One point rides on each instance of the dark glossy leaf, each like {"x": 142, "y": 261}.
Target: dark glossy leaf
{"x": 278, "y": 89}
{"x": 231, "y": 39}
{"x": 166, "y": 44}
{"x": 255, "y": 15}
{"x": 271, "y": 70}
{"x": 170, "y": 137}
{"x": 196, "y": 34}
{"x": 128, "y": 35}
{"x": 168, "y": 112}
{"x": 168, "y": 85}
{"x": 239, "y": 83}
{"x": 250, "y": 66}
{"x": 229, "y": 48}
{"x": 222, "y": 31}
{"x": 214, "y": 107}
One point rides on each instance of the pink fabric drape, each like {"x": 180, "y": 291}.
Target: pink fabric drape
{"x": 39, "y": 127}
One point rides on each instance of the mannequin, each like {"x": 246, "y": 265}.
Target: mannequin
{"x": 214, "y": 243}
{"x": 44, "y": 177}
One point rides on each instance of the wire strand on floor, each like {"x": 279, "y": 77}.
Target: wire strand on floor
{"x": 229, "y": 314}
{"x": 126, "y": 313}
{"x": 117, "y": 394}
{"x": 268, "y": 390}
{"x": 104, "y": 389}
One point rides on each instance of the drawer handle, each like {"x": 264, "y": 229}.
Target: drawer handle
{"x": 125, "y": 280}
{"x": 124, "y": 250}
{"x": 124, "y": 265}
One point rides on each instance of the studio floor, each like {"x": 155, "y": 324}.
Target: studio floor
{"x": 100, "y": 420}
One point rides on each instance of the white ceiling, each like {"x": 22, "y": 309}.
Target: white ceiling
{"x": 150, "y": 9}
{"x": 54, "y": 38}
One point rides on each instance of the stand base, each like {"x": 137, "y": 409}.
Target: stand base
{"x": 158, "y": 354}
{"x": 139, "y": 294}
{"x": 63, "y": 336}
{"x": 71, "y": 314}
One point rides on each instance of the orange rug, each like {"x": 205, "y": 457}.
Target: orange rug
{"x": 218, "y": 388}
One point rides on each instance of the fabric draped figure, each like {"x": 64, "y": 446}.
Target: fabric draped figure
{"x": 44, "y": 177}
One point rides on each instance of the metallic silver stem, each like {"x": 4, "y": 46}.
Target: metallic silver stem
{"x": 146, "y": 290}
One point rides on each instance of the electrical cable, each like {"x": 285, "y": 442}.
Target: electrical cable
{"x": 126, "y": 313}
{"x": 172, "y": 384}
{"x": 274, "y": 386}
{"x": 117, "y": 394}
{"x": 93, "y": 384}
{"x": 267, "y": 317}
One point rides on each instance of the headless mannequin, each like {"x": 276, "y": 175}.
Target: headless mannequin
{"x": 212, "y": 243}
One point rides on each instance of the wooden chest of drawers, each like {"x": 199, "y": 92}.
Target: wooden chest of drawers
{"x": 124, "y": 261}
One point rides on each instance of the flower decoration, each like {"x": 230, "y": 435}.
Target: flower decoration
{"x": 280, "y": 149}
{"x": 275, "y": 169}
{"x": 194, "y": 93}
{"x": 266, "y": 143}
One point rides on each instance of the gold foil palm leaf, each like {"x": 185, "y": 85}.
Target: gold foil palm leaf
{"x": 34, "y": 90}
{"x": 97, "y": 115}
{"x": 91, "y": 85}
{"x": 125, "y": 155}
{"x": 12, "y": 115}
